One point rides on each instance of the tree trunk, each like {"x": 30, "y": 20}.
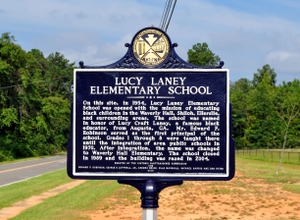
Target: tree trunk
{"x": 284, "y": 143}
{"x": 291, "y": 116}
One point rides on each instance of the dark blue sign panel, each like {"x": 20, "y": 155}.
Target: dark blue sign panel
{"x": 150, "y": 123}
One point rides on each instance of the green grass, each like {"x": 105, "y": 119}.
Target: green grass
{"x": 267, "y": 171}
{"x": 263, "y": 169}
{"x": 70, "y": 204}
{"x": 35, "y": 186}
{"x": 292, "y": 188}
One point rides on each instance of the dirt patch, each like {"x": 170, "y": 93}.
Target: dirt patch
{"x": 240, "y": 198}
{"x": 18, "y": 207}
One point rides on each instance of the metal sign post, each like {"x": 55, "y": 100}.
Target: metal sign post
{"x": 150, "y": 190}
{"x": 150, "y": 214}
{"x": 151, "y": 120}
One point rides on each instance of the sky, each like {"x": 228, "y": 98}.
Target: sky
{"x": 245, "y": 34}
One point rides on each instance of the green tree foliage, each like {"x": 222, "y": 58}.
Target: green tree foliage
{"x": 260, "y": 75}
{"x": 261, "y": 111}
{"x": 35, "y": 95}
{"x": 201, "y": 55}
{"x": 287, "y": 108}
{"x": 240, "y": 100}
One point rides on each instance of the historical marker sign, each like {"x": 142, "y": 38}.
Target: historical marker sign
{"x": 151, "y": 123}
{"x": 151, "y": 115}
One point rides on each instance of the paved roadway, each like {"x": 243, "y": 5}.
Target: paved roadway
{"x": 16, "y": 172}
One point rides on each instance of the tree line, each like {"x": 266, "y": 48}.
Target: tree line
{"x": 36, "y": 97}
{"x": 35, "y": 101}
{"x": 265, "y": 115}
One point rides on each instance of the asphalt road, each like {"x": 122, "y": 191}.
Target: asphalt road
{"x": 16, "y": 172}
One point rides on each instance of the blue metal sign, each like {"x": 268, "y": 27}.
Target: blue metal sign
{"x": 158, "y": 118}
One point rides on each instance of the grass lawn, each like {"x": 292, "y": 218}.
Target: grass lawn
{"x": 35, "y": 186}
{"x": 70, "y": 204}
{"x": 256, "y": 169}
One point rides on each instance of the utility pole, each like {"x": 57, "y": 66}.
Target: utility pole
{"x": 166, "y": 16}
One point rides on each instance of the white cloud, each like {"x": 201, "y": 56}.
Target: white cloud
{"x": 285, "y": 63}
{"x": 99, "y": 53}
{"x": 85, "y": 53}
{"x": 281, "y": 56}
{"x": 114, "y": 15}
{"x": 284, "y": 60}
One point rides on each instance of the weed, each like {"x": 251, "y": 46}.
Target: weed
{"x": 293, "y": 203}
{"x": 271, "y": 205}
{"x": 245, "y": 213}
{"x": 291, "y": 188}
